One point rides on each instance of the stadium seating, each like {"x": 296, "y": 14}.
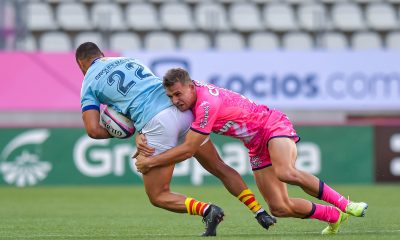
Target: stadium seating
{"x": 211, "y": 17}
{"x": 393, "y": 40}
{"x": 89, "y": 37}
{"x": 333, "y": 41}
{"x": 124, "y": 41}
{"x": 381, "y": 16}
{"x": 279, "y": 17}
{"x": 312, "y": 17}
{"x": 176, "y": 17}
{"x": 159, "y": 41}
{"x": 229, "y": 41}
{"x": 55, "y": 42}
{"x": 366, "y": 40}
{"x": 108, "y": 16}
{"x": 347, "y": 17}
{"x": 40, "y": 17}
{"x": 142, "y": 17}
{"x": 28, "y": 43}
{"x": 253, "y": 24}
{"x": 194, "y": 41}
{"x": 297, "y": 41}
{"x": 73, "y": 16}
{"x": 245, "y": 17}
{"x": 263, "y": 41}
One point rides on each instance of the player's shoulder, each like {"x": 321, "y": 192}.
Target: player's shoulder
{"x": 205, "y": 90}
{"x": 207, "y": 99}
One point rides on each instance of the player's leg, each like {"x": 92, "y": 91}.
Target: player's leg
{"x": 275, "y": 194}
{"x": 283, "y": 153}
{"x": 156, "y": 183}
{"x": 162, "y": 133}
{"x": 209, "y": 158}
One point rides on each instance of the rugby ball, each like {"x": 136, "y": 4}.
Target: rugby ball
{"x": 116, "y": 123}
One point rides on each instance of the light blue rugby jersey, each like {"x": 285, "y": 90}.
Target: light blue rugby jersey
{"x": 126, "y": 85}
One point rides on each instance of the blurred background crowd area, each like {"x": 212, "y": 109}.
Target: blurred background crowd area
{"x": 189, "y": 26}
{"x": 119, "y": 25}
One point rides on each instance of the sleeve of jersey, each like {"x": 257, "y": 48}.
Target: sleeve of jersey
{"x": 89, "y": 100}
{"x": 206, "y": 115}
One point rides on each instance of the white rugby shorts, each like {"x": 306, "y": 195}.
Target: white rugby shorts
{"x": 167, "y": 129}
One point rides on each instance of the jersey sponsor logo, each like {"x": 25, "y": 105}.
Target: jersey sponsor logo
{"x": 240, "y": 131}
{"x": 255, "y": 161}
{"x": 226, "y": 127}
{"x": 206, "y": 108}
{"x": 107, "y": 69}
{"x": 211, "y": 89}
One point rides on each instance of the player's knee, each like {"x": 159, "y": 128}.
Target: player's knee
{"x": 157, "y": 197}
{"x": 157, "y": 201}
{"x": 290, "y": 176}
{"x": 154, "y": 200}
{"x": 280, "y": 210}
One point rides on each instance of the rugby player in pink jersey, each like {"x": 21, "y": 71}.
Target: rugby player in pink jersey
{"x": 271, "y": 140}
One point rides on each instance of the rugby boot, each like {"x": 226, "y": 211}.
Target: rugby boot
{"x": 214, "y": 216}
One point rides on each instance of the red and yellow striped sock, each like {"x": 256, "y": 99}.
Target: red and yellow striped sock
{"x": 195, "y": 207}
{"x": 247, "y": 198}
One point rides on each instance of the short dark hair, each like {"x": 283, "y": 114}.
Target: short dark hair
{"x": 87, "y": 50}
{"x": 176, "y": 75}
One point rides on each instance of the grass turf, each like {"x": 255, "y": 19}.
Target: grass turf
{"x": 123, "y": 212}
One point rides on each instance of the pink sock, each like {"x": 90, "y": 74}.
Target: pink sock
{"x": 329, "y": 195}
{"x": 325, "y": 213}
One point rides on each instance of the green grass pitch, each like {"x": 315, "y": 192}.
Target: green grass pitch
{"x": 123, "y": 212}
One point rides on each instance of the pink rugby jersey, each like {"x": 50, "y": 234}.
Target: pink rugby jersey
{"x": 227, "y": 113}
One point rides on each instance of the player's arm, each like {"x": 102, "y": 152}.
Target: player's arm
{"x": 142, "y": 147}
{"x": 91, "y": 121}
{"x": 177, "y": 154}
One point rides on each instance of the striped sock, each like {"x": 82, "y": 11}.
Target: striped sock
{"x": 247, "y": 198}
{"x": 195, "y": 207}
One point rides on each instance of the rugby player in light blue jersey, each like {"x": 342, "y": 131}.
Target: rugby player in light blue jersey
{"x": 133, "y": 90}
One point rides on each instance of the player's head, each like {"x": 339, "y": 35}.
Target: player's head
{"x": 85, "y": 54}
{"x": 180, "y": 88}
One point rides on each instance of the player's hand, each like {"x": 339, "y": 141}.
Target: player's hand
{"x": 142, "y": 164}
{"x": 142, "y": 147}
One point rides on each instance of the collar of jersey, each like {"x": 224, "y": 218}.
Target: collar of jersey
{"x": 94, "y": 61}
